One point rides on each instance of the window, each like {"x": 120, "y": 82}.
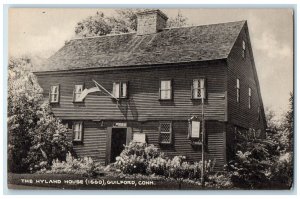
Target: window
{"x": 249, "y": 96}
{"x": 165, "y": 90}
{"x": 54, "y": 94}
{"x": 120, "y": 89}
{"x": 77, "y": 131}
{"x": 244, "y": 50}
{"x": 198, "y": 89}
{"x": 237, "y": 90}
{"x": 77, "y": 92}
{"x": 165, "y": 132}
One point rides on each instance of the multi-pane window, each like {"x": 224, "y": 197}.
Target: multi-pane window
{"x": 77, "y": 131}
{"x": 77, "y": 92}
{"x": 198, "y": 89}
{"x": 120, "y": 89}
{"x": 165, "y": 89}
{"x": 244, "y": 50}
{"x": 237, "y": 90}
{"x": 249, "y": 98}
{"x": 165, "y": 132}
{"x": 54, "y": 94}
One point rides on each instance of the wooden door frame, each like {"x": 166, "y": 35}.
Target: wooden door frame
{"x": 108, "y": 141}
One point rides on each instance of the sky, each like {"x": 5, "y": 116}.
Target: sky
{"x": 41, "y": 32}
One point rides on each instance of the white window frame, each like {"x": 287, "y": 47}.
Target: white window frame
{"x": 201, "y": 89}
{"x": 76, "y": 94}
{"x": 238, "y": 90}
{"x": 244, "y": 49}
{"x": 249, "y": 97}
{"x": 167, "y": 91}
{"x": 78, "y": 135}
{"x": 120, "y": 90}
{"x": 52, "y": 93}
{"x": 164, "y": 132}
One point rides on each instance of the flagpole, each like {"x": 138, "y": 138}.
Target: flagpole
{"x": 202, "y": 155}
{"x": 97, "y": 84}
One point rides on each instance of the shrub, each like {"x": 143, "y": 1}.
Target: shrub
{"x": 147, "y": 159}
{"x": 250, "y": 168}
{"x": 85, "y": 166}
{"x": 35, "y": 136}
{"x": 219, "y": 181}
{"x": 281, "y": 171}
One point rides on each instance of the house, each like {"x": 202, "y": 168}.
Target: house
{"x": 152, "y": 85}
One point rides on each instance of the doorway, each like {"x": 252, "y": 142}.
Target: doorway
{"x": 118, "y": 140}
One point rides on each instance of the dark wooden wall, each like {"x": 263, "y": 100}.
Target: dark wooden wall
{"x": 243, "y": 68}
{"x": 143, "y": 103}
{"x": 94, "y": 140}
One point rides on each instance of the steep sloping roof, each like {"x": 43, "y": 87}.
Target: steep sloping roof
{"x": 174, "y": 45}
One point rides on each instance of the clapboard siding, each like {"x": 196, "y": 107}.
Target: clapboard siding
{"x": 244, "y": 69}
{"x": 94, "y": 142}
{"x": 182, "y": 145}
{"x": 143, "y": 103}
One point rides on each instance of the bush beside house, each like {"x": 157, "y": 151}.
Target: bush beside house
{"x": 35, "y": 136}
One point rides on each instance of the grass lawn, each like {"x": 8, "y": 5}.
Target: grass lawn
{"x": 106, "y": 182}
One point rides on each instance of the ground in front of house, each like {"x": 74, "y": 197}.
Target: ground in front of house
{"x": 105, "y": 182}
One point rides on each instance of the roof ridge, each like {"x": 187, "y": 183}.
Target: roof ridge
{"x": 108, "y": 35}
{"x": 204, "y": 25}
{"x": 112, "y": 35}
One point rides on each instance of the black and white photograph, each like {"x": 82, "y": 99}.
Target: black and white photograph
{"x": 150, "y": 98}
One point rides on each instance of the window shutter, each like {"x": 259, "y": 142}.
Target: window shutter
{"x": 73, "y": 132}
{"x": 74, "y": 93}
{"x": 205, "y": 89}
{"x": 58, "y": 93}
{"x": 192, "y": 91}
{"x": 171, "y": 87}
{"x": 50, "y": 94}
{"x": 127, "y": 88}
{"x": 82, "y": 131}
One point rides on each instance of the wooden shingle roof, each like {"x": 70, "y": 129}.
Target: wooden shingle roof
{"x": 174, "y": 45}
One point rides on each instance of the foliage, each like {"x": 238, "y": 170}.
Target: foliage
{"x": 178, "y": 21}
{"x": 49, "y": 141}
{"x": 219, "y": 181}
{"x": 148, "y": 160}
{"x": 35, "y": 137}
{"x": 257, "y": 163}
{"x": 85, "y": 166}
{"x": 124, "y": 21}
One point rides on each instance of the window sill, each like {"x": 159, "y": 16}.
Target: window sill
{"x": 165, "y": 143}
{"x": 165, "y": 99}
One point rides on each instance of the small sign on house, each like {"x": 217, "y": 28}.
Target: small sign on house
{"x": 139, "y": 137}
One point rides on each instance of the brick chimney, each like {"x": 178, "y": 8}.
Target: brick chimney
{"x": 152, "y": 21}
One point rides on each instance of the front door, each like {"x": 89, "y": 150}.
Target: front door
{"x": 118, "y": 140}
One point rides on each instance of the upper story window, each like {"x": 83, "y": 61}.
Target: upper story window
{"x": 165, "y": 90}
{"x": 249, "y": 98}
{"x": 54, "y": 94}
{"x": 165, "y": 132}
{"x": 237, "y": 90}
{"x": 244, "y": 49}
{"x": 77, "y": 92}
{"x": 77, "y": 131}
{"x": 120, "y": 89}
{"x": 198, "y": 89}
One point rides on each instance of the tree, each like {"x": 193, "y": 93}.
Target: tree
{"x": 178, "y": 21}
{"x": 124, "y": 21}
{"x": 31, "y": 125}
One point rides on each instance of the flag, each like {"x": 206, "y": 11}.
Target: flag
{"x": 98, "y": 87}
{"x": 86, "y": 91}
